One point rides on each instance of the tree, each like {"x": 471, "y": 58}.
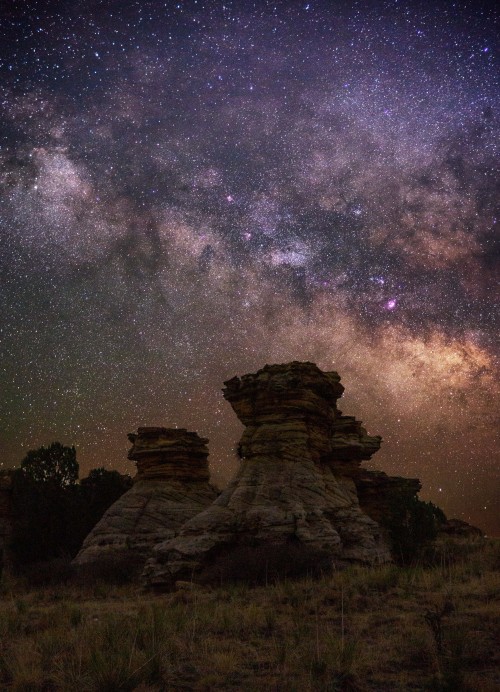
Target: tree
{"x": 412, "y": 524}
{"x": 39, "y": 518}
{"x": 43, "y": 491}
{"x": 98, "y": 491}
{"x": 102, "y": 487}
{"x": 51, "y": 513}
{"x": 54, "y": 464}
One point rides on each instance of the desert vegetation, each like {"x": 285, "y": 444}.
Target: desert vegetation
{"x": 51, "y": 510}
{"x": 429, "y": 625}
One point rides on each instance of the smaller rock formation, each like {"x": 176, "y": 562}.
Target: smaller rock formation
{"x": 377, "y": 492}
{"x": 292, "y": 495}
{"x": 169, "y": 453}
{"x": 171, "y": 486}
{"x": 457, "y": 529}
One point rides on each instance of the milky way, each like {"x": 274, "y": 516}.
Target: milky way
{"x": 191, "y": 190}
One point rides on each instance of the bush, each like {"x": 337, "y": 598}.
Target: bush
{"x": 51, "y": 513}
{"x": 412, "y": 525}
{"x": 40, "y": 527}
{"x": 49, "y": 573}
{"x": 55, "y": 464}
{"x": 266, "y": 564}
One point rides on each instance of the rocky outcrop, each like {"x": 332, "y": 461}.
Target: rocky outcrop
{"x": 457, "y": 529}
{"x": 171, "y": 486}
{"x": 293, "y": 488}
{"x": 378, "y": 492}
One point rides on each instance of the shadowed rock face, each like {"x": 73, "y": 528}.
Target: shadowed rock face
{"x": 170, "y": 487}
{"x": 458, "y": 529}
{"x": 377, "y": 491}
{"x": 291, "y": 487}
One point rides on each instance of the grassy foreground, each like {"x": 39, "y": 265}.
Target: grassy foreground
{"x": 391, "y": 628}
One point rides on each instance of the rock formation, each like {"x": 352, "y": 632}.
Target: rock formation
{"x": 377, "y": 491}
{"x": 171, "y": 486}
{"x": 457, "y": 529}
{"x": 294, "y": 488}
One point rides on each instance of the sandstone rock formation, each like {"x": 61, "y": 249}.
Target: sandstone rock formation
{"x": 171, "y": 486}
{"x": 294, "y": 487}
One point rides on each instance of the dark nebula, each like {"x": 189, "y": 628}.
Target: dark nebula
{"x": 190, "y": 190}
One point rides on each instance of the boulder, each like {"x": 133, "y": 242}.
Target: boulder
{"x": 457, "y": 529}
{"x": 291, "y": 496}
{"x": 171, "y": 486}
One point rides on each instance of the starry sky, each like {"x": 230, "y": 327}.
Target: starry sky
{"x": 190, "y": 190}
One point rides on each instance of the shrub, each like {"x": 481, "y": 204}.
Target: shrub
{"x": 264, "y": 564}
{"x": 54, "y": 464}
{"x": 116, "y": 569}
{"x": 51, "y": 513}
{"x": 412, "y": 524}
{"x": 48, "y": 573}
{"x": 40, "y": 527}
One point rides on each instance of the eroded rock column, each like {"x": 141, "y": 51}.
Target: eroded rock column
{"x": 287, "y": 491}
{"x": 171, "y": 486}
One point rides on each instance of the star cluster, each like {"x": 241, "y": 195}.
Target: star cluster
{"x": 190, "y": 190}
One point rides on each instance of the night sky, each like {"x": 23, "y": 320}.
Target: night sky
{"x": 191, "y": 190}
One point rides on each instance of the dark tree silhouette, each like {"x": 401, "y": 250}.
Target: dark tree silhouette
{"x": 102, "y": 487}
{"x": 98, "y": 491}
{"x": 52, "y": 513}
{"x": 53, "y": 464}
{"x": 412, "y": 525}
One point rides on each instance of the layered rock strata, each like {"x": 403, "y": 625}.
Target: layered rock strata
{"x": 171, "y": 486}
{"x": 292, "y": 488}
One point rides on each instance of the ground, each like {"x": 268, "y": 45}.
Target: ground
{"x": 390, "y": 628}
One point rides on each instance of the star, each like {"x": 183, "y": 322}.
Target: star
{"x": 191, "y": 191}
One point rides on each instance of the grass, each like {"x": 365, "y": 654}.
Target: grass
{"x": 415, "y": 628}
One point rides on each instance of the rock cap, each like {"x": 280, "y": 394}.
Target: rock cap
{"x": 295, "y": 390}
{"x": 169, "y": 453}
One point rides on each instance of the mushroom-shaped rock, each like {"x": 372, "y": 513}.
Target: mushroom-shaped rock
{"x": 171, "y": 486}
{"x": 287, "y": 495}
